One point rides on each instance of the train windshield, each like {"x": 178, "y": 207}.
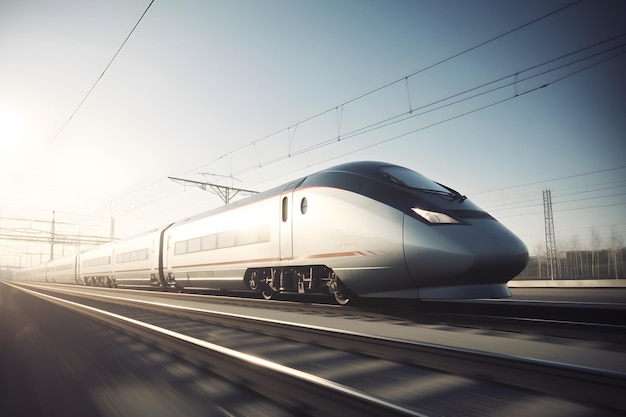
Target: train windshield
{"x": 412, "y": 179}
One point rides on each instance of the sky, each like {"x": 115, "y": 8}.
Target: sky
{"x": 499, "y": 100}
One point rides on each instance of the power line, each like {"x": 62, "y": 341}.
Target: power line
{"x": 552, "y": 179}
{"x": 101, "y": 75}
{"x": 514, "y": 77}
{"x": 411, "y": 114}
{"x": 328, "y": 142}
{"x": 403, "y": 79}
{"x": 534, "y": 198}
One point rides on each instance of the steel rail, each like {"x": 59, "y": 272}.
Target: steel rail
{"x": 599, "y": 387}
{"x": 442, "y": 309}
{"x": 308, "y": 393}
{"x": 581, "y": 312}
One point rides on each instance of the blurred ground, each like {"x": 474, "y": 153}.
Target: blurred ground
{"x": 38, "y": 360}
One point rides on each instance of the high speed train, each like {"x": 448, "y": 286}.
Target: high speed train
{"x": 361, "y": 229}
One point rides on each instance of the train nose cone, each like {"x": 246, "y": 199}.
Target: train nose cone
{"x": 433, "y": 255}
{"x": 507, "y": 260}
{"x": 471, "y": 260}
{"x": 510, "y": 258}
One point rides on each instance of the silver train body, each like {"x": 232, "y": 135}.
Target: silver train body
{"x": 361, "y": 229}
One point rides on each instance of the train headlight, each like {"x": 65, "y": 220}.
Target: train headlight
{"x": 433, "y": 216}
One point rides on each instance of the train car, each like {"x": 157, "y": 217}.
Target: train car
{"x": 95, "y": 266}
{"x": 62, "y": 270}
{"x": 31, "y": 274}
{"x": 361, "y": 229}
{"x": 364, "y": 229}
{"x": 406, "y": 235}
{"x": 216, "y": 249}
{"x": 135, "y": 261}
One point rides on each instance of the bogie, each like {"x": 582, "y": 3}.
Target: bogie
{"x": 312, "y": 279}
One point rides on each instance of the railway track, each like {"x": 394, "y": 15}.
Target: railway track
{"x": 332, "y": 371}
{"x": 604, "y": 323}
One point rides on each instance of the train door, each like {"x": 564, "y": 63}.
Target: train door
{"x": 77, "y": 269}
{"x": 286, "y": 221}
{"x": 165, "y": 254}
{"x": 286, "y": 225}
{"x": 153, "y": 258}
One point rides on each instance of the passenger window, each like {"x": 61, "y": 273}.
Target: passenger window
{"x": 193, "y": 245}
{"x": 285, "y": 209}
{"x": 226, "y": 239}
{"x": 209, "y": 242}
{"x": 180, "y": 247}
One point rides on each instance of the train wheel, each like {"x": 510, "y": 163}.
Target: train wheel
{"x": 339, "y": 291}
{"x": 341, "y": 298}
{"x": 253, "y": 283}
{"x": 268, "y": 294}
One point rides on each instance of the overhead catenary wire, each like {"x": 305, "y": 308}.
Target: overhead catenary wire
{"x": 409, "y": 115}
{"x": 402, "y": 135}
{"x": 597, "y": 192}
{"x": 554, "y": 179}
{"x": 69, "y": 119}
{"x": 428, "y": 108}
{"x": 403, "y": 79}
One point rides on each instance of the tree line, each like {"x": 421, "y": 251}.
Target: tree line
{"x": 576, "y": 263}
